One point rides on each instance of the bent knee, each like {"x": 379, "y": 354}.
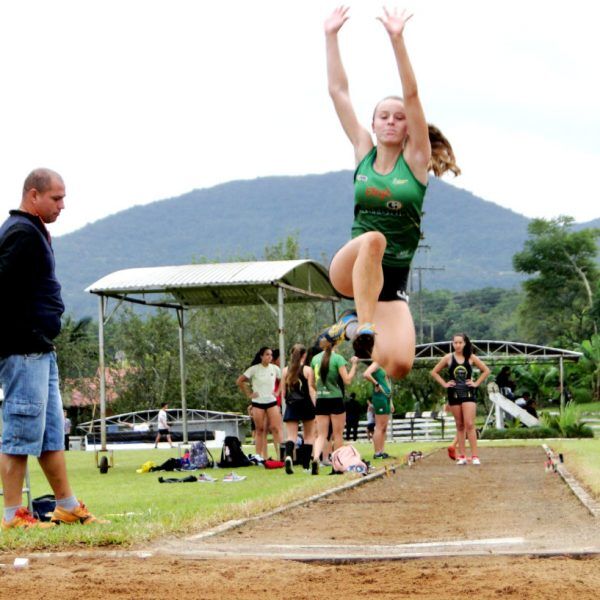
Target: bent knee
{"x": 374, "y": 243}
{"x": 399, "y": 370}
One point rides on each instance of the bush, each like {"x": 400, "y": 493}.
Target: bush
{"x": 520, "y": 433}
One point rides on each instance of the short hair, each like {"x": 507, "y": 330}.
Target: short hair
{"x": 40, "y": 180}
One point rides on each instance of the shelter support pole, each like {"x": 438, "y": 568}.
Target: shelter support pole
{"x": 281, "y": 330}
{"x": 101, "y": 308}
{"x": 562, "y": 383}
{"x": 180, "y": 318}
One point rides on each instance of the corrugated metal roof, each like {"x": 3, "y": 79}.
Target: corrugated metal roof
{"x": 218, "y": 283}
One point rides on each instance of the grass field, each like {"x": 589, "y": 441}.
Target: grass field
{"x": 141, "y": 509}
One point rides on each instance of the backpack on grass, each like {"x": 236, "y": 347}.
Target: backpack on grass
{"x": 200, "y": 456}
{"x": 347, "y": 458}
{"x": 232, "y": 454}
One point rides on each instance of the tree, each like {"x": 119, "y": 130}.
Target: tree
{"x": 561, "y": 297}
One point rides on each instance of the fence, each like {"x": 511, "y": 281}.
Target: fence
{"x": 426, "y": 426}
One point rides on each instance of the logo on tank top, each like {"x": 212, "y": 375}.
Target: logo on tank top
{"x": 394, "y": 205}
{"x": 377, "y": 193}
{"x": 361, "y": 178}
{"x": 397, "y": 181}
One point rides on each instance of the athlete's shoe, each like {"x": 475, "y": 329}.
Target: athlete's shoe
{"x": 314, "y": 467}
{"x": 337, "y": 332}
{"x": 23, "y": 519}
{"x": 289, "y": 465}
{"x": 204, "y": 478}
{"x": 381, "y": 455}
{"x": 461, "y": 460}
{"x": 475, "y": 460}
{"x": 364, "y": 340}
{"x": 233, "y": 478}
{"x": 80, "y": 514}
{"x": 451, "y": 452}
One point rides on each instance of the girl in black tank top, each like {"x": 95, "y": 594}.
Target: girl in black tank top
{"x": 462, "y": 393}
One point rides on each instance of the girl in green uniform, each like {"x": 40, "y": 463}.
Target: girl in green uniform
{"x": 329, "y": 367}
{"x": 382, "y": 405}
{"x": 390, "y": 184}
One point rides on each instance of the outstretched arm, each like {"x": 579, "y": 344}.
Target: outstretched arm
{"x": 337, "y": 82}
{"x": 417, "y": 152}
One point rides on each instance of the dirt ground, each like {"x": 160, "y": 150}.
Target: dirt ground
{"x": 435, "y": 530}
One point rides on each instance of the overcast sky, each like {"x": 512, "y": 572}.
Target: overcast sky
{"x": 134, "y": 101}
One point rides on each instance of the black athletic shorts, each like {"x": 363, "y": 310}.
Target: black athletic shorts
{"x": 265, "y": 406}
{"x": 394, "y": 284}
{"x": 330, "y": 406}
{"x": 303, "y": 410}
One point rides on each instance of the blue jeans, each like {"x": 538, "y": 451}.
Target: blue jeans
{"x": 32, "y": 411}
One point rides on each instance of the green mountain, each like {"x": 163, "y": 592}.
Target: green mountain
{"x": 472, "y": 240}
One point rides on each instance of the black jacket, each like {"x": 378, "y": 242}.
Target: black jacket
{"x": 30, "y": 301}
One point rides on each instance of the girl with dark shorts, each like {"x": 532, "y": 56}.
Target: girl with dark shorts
{"x": 462, "y": 392}
{"x": 390, "y": 183}
{"x": 298, "y": 390}
{"x": 257, "y": 383}
{"x": 328, "y": 367}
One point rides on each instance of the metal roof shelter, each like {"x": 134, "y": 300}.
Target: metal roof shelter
{"x": 186, "y": 287}
{"x": 501, "y": 352}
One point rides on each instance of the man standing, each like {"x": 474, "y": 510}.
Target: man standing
{"x": 30, "y": 310}
{"x": 163, "y": 426}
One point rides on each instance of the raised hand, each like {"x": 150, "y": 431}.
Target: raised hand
{"x": 394, "y": 21}
{"x": 336, "y": 19}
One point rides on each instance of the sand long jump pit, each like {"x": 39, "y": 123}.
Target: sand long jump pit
{"x": 434, "y": 530}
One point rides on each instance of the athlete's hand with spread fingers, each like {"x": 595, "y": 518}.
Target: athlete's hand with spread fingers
{"x": 394, "y": 21}
{"x": 336, "y": 20}
{"x": 449, "y": 384}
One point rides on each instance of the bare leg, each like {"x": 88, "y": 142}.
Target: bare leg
{"x": 338, "y": 422}
{"x": 322, "y": 431}
{"x": 468, "y": 411}
{"x": 260, "y": 420}
{"x": 460, "y": 427}
{"x": 55, "y": 469}
{"x": 356, "y": 271}
{"x": 381, "y": 423}
{"x": 12, "y": 470}
{"x": 310, "y": 430}
{"x": 395, "y": 340}
{"x": 275, "y": 425}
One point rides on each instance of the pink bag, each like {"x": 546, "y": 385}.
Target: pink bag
{"x": 347, "y": 458}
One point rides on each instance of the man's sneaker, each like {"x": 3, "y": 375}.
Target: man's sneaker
{"x": 23, "y": 519}
{"x": 461, "y": 460}
{"x": 337, "y": 332}
{"x": 314, "y": 467}
{"x": 80, "y": 514}
{"x": 475, "y": 460}
{"x": 364, "y": 340}
{"x": 204, "y": 478}
{"x": 289, "y": 465}
{"x": 451, "y": 452}
{"x": 233, "y": 477}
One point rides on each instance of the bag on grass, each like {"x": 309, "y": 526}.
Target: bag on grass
{"x": 43, "y": 507}
{"x": 200, "y": 456}
{"x": 232, "y": 454}
{"x": 347, "y": 458}
{"x": 146, "y": 467}
{"x": 169, "y": 465}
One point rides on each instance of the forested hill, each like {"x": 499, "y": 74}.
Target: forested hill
{"x": 471, "y": 239}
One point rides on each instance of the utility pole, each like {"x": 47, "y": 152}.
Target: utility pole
{"x": 420, "y": 270}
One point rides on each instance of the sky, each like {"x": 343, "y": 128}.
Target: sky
{"x": 134, "y": 101}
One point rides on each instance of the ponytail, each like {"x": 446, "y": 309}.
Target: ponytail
{"x": 324, "y": 368}
{"x": 293, "y": 371}
{"x": 442, "y": 155}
